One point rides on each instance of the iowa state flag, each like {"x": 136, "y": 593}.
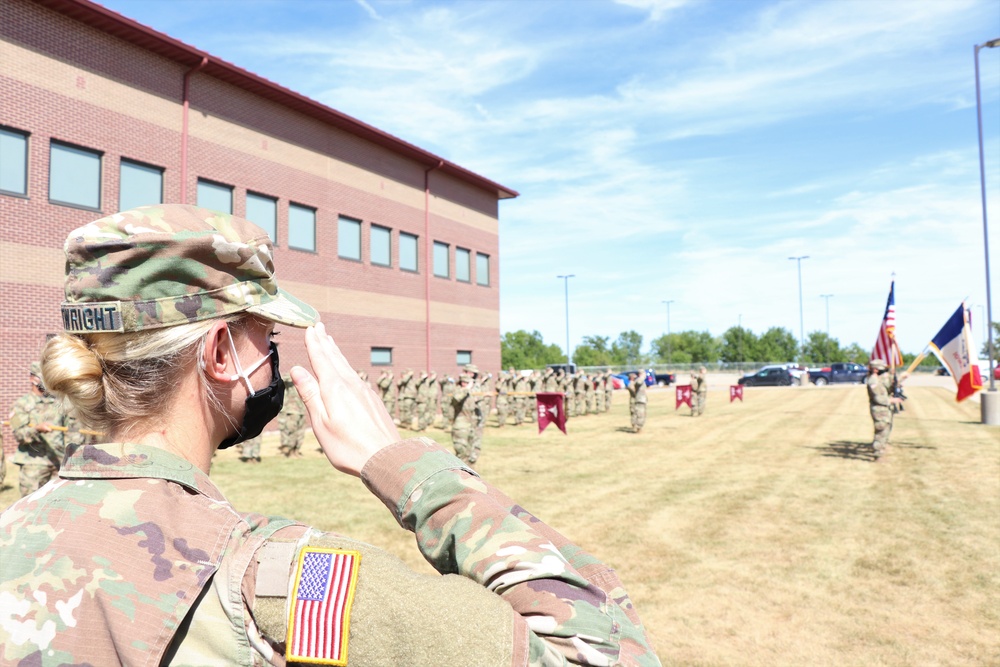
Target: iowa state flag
{"x": 953, "y": 346}
{"x": 683, "y": 395}
{"x": 550, "y": 410}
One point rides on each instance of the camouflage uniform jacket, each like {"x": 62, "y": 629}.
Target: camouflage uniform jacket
{"x": 408, "y": 386}
{"x": 197, "y": 567}
{"x": 637, "y": 391}
{"x": 385, "y": 385}
{"x": 465, "y": 405}
{"x": 292, "y": 405}
{"x": 879, "y": 389}
{"x": 35, "y": 447}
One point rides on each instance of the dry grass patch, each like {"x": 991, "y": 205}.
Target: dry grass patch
{"x": 758, "y": 534}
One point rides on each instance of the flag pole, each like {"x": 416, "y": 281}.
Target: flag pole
{"x": 913, "y": 364}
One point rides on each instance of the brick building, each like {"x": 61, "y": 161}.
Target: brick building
{"x": 396, "y": 247}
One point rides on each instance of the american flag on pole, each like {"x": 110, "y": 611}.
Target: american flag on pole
{"x": 319, "y": 619}
{"x": 885, "y": 345}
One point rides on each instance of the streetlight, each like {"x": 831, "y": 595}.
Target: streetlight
{"x": 827, "y": 297}
{"x": 565, "y": 280}
{"x": 669, "y": 350}
{"x": 802, "y": 328}
{"x": 990, "y": 401}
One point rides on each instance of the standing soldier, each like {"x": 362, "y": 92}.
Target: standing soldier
{"x": 599, "y": 393}
{"x": 534, "y": 385}
{"x": 292, "y": 421}
{"x": 250, "y": 450}
{"x": 447, "y": 409}
{"x": 609, "y": 389}
{"x": 420, "y": 409}
{"x": 484, "y": 390}
{"x": 407, "y": 398}
{"x": 699, "y": 387}
{"x": 579, "y": 391}
{"x": 588, "y": 394}
{"x": 878, "y": 383}
{"x": 503, "y": 402}
{"x": 386, "y": 389}
{"x": 637, "y": 400}
{"x": 466, "y": 410}
{"x": 40, "y": 447}
{"x": 519, "y": 387}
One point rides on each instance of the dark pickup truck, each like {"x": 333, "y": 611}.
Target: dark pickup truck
{"x": 839, "y": 373}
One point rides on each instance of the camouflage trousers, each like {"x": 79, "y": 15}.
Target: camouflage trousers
{"x": 407, "y": 407}
{"x": 34, "y": 476}
{"x": 467, "y": 440}
{"x": 638, "y": 415}
{"x": 532, "y": 410}
{"x": 250, "y": 450}
{"x": 882, "y": 421}
{"x": 502, "y": 411}
{"x": 607, "y": 400}
{"x": 448, "y": 413}
{"x": 590, "y": 405}
{"x": 422, "y": 412}
{"x": 580, "y": 404}
{"x": 390, "y": 405}
{"x": 599, "y": 402}
{"x": 698, "y": 403}
{"x": 519, "y": 410}
{"x": 292, "y": 434}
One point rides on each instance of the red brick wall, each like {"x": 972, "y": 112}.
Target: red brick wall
{"x": 79, "y": 85}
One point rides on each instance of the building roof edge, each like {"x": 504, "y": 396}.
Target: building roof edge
{"x": 100, "y": 17}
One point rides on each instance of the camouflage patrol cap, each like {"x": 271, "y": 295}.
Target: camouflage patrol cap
{"x": 160, "y": 266}
{"x": 878, "y": 365}
{"x": 471, "y": 368}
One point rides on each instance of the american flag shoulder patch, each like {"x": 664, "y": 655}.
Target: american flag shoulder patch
{"x": 320, "y": 614}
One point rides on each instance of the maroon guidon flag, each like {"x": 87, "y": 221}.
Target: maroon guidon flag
{"x": 683, "y": 395}
{"x": 735, "y": 391}
{"x": 550, "y": 410}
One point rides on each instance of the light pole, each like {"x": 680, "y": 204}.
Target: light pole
{"x": 669, "y": 347}
{"x": 565, "y": 280}
{"x": 990, "y": 401}
{"x": 802, "y": 328}
{"x": 739, "y": 325}
{"x": 827, "y": 297}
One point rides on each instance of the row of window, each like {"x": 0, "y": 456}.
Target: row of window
{"x": 382, "y": 356}
{"x": 75, "y": 180}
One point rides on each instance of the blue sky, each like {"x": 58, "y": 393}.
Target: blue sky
{"x": 674, "y": 149}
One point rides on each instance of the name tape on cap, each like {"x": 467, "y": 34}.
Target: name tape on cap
{"x": 93, "y": 317}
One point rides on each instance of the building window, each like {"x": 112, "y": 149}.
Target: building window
{"x": 215, "y": 196}
{"x": 349, "y": 238}
{"x": 263, "y": 212}
{"x": 462, "y": 267}
{"x": 463, "y": 357}
{"x": 381, "y": 356}
{"x": 301, "y": 227}
{"x": 74, "y": 176}
{"x": 381, "y": 242}
{"x": 407, "y": 252}
{"x": 13, "y": 161}
{"x": 139, "y": 185}
{"x": 441, "y": 260}
{"x": 482, "y": 269}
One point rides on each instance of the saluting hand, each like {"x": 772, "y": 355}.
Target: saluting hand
{"x": 348, "y": 419}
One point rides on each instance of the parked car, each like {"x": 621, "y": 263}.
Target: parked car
{"x": 773, "y": 376}
{"x": 795, "y": 370}
{"x": 664, "y": 379}
{"x": 568, "y": 369}
{"x": 838, "y": 373}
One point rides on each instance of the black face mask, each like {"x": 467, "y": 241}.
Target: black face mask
{"x": 261, "y": 407}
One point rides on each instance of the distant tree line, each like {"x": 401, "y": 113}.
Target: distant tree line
{"x": 522, "y": 349}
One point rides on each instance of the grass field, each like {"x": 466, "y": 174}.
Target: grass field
{"x": 759, "y": 534}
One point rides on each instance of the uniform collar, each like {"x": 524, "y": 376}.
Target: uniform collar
{"x": 125, "y": 460}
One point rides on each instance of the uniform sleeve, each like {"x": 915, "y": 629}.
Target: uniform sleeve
{"x": 575, "y": 608}
{"x": 20, "y": 418}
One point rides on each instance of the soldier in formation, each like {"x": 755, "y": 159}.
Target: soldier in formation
{"x": 407, "y": 398}
{"x": 699, "y": 390}
{"x": 466, "y": 435}
{"x": 387, "y": 390}
{"x": 519, "y": 387}
{"x": 503, "y": 401}
{"x": 292, "y": 421}
{"x": 447, "y": 391}
{"x": 879, "y": 384}
{"x": 250, "y": 450}
{"x": 152, "y": 564}
{"x": 39, "y": 423}
{"x": 637, "y": 401}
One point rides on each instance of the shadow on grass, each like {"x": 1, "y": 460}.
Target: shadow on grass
{"x": 847, "y": 449}
{"x": 624, "y": 429}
